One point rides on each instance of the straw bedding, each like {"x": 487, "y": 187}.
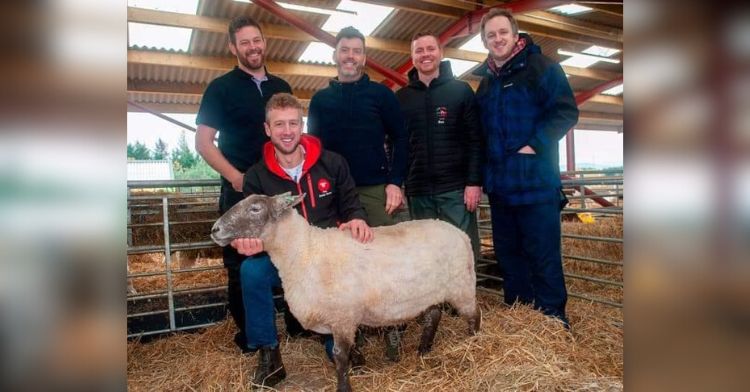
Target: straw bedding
{"x": 517, "y": 349}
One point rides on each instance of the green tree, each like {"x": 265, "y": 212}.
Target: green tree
{"x": 160, "y": 150}
{"x": 138, "y": 151}
{"x": 201, "y": 171}
{"x": 182, "y": 155}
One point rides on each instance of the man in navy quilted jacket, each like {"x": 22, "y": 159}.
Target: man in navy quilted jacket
{"x": 526, "y": 107}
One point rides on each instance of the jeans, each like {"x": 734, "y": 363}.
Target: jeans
{"x": 527, "y": 247}
{"x": 258, "y": 277}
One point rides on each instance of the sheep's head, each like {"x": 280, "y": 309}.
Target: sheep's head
{"x": 251, "y": 216}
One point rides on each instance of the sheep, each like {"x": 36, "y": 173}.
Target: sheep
{"x": 334, "y": 283}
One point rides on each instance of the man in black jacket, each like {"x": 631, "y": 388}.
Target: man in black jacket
{"x": 294, "y": 163}
{"x": 445, "y": 143}
{"x": 356, "y": 118}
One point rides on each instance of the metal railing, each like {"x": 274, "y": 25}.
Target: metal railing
{"x": 202, "y": 197}
{"x": 169, "y": 205}
{"x": 610, "y": 181}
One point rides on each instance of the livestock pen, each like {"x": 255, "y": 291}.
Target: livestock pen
{"x": 516, "y": 349}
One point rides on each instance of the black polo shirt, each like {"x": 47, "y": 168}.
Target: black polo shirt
{"x": 233, "y": 105}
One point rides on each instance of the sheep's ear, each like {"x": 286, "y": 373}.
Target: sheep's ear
{"x": 284, "y": 201}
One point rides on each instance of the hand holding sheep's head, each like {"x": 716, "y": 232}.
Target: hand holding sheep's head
{"x": 249, "y": 217}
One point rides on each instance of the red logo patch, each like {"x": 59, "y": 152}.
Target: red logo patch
{"x": 324, "y": 185}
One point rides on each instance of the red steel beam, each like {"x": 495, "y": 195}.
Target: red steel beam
{"x": 469, "y": 23}
{"x": 586, "y": 95}
{"x": 588, "y": 192}
{"x": 324, "y": 37}
{"x": 570, "y": 150}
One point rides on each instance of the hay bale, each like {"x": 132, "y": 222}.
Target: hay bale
{"x": 518, "y": 349}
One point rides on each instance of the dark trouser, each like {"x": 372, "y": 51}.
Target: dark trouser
{"x": 234, "y": 289}
{"x": 527, "y": 247}
{"x": 448, "y": 207}
{"x": 232, "y": 260}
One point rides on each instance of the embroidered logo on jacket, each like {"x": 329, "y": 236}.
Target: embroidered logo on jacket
{"x": 442, "y": 114}
{"x": 324, "y": 187}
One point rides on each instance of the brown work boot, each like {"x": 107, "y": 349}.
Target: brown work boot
{"x": 270, "y": 370}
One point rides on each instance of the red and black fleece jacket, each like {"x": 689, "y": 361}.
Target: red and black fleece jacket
{"x": 331, "y": 198}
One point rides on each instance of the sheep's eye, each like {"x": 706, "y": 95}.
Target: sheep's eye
{"x": 255, "y": 209}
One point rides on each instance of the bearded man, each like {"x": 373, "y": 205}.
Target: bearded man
{"x": 234, "y": 106}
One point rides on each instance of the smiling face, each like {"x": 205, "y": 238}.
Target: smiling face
{"x": 426, "y": 55}
{"x": 249, "y": 47}
{"x": 350, "y": 58}
{"x": 499, "y": 38}
{"x": 284, "y": 127}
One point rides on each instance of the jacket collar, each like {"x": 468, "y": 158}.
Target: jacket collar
{"x": 521, "y": 51}
{"x": 246, "y": 75}
{"x": 364, "y": 80}
{"x": 445, "y": 74}
{"x": 313, "y": 149}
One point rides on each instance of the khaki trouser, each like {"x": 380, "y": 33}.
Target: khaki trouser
{"x": 372, "y": 198}
{"x": 449, "y": 207}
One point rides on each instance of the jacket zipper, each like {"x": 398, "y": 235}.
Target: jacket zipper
{"x": 304, "y": 210}
{"x": 309, "y": 187}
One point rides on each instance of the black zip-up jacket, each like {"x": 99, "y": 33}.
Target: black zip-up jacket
{"x": 331, "y": 198}
{"x": 356, "y": 120}
{"x": 445, "y": 143}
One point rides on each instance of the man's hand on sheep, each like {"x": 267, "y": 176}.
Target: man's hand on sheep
{"x": 472, "y": 194}
{"x": 393, "y": 198}
{"x": 247, "y": 246}
{"x": 360, "y": 230}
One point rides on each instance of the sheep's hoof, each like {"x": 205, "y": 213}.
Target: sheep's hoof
{"x": 475, "y": 322}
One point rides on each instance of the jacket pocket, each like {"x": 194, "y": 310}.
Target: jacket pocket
{"x": 524, "y": 172}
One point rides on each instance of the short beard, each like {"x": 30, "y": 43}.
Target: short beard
{"x": 357, "y": 71}
{"x": 243, "y": 60}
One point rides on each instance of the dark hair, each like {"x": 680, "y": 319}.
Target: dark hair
{"x": 283, "y": 101}
{"x": 499, "y": 12}
{"x": 238, "y": 22}
{"x": 421, "y": 34}
{"x": 349, "y": 32}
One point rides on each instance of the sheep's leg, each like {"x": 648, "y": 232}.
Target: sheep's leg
{"x": 431, "y": 320}
{"x": 469, "y": 311}
{"x": 356, "y": 357}
{"x": 474, "y": 321}
{"x": 342, "y": 344}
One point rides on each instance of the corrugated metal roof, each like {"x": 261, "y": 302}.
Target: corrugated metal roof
{"x": 303, "y": 82}
{"x": 400, "y": 25}
{"x": 167, "y": 73}
{"x": 164, "y": 98}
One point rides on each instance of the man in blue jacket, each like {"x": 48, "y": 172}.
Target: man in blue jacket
{"x": 358, "y": 118}
{"x": 526, "y": 106}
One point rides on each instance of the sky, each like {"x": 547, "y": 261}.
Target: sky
{"x": 592, "y": 147}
